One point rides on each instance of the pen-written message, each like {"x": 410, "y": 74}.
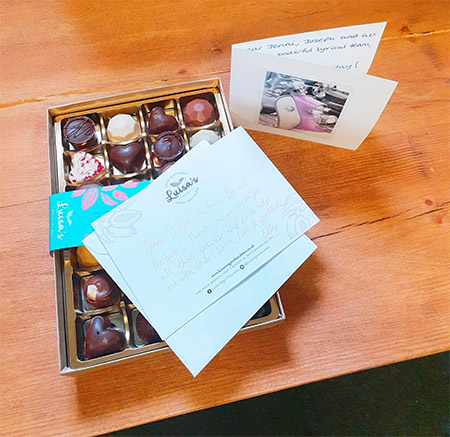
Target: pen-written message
{"x": 239, "y": 223}
{"x": 354, "y": 46}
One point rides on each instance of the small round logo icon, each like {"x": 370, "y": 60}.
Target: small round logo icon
{"x": 242, "y": 267}
{"x": 209, "y": 291}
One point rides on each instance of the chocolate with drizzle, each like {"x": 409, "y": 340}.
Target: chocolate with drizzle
{"x": 80, "y": 132}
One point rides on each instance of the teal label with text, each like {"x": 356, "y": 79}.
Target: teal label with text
{"x": 71, "y": 213}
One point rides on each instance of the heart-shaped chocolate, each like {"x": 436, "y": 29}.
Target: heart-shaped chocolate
{"x": 84, "y": 167}
{"x": 159, "y": 121}
{"x": 128, "y": 158}
{"x": 100, "y": 291}
{"x": 101, "y": 339}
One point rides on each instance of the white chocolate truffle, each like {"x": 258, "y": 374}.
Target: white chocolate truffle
{"x": 122, "y": 127}
{"x": 204, "y": 134}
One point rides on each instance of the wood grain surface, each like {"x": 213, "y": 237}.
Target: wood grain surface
{"x": 375, "y": 292}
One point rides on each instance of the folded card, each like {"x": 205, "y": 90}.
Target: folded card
{"x": 202, "y": 228}
{"x": 310, "y": 86}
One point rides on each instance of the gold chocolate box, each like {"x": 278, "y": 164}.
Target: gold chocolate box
{"x": 72, "y": 271}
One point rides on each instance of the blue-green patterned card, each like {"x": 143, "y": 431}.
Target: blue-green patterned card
{"x": 71, "y": 213}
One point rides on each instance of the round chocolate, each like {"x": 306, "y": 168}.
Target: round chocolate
{"x": 145, "y": 331}
{"x": 168, "y": 146}
{"x": 128, "y": 158}
{"x": 102, "y": 338}
{"x": 159, "y": 121}
{"x": 80, "y": 132}
{"x": 198, "y": 112}
{"x": 100, "y": 291}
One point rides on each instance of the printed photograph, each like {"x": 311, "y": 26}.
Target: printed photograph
{"x": 295, "y": 103}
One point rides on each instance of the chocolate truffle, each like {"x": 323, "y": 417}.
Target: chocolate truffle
{"x": 168, "y": 146}
{"x": 159, "y": 121}
{"x": 102, "y": 338}
{"x": 85, "y": 258}
{"x": 84, "y": 167}
{"x": 80, "y": 132}
{"x": 145, "y": 331}
{"x": 198, "y": 112}
{"x": 122, "y": 127}
{"x": 128, "y": 158}
{"x": 204, "y": 134}
{"x": 165, "y": 167}
{"x": 100, "y": 291}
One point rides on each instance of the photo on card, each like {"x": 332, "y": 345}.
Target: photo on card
{"x": 301, "y": 104}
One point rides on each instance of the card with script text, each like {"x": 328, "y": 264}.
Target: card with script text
{"x": 202, "y": 228}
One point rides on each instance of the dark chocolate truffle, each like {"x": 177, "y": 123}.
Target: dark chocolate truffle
{"x": 80, "y": 132}
{"x": 128, "y": 158}
{"x": 168, "y": 146}
{"x": 159, "y": 121}
{"x": 100, "y": 291}
{"x": 198, "y": 112}
{"x": 102, "y": 338}
{"x": 145, "y": 331}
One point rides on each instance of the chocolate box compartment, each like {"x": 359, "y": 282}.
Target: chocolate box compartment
{"x": 109, "y": 113}
{"x": 115, "y": 172}
{"x": 82, "y": 305}
{"x": 136, "y": 340}
{"x": 139, "y": 104}
{"x": 115, "y": 322}
{"x": 98, "y": 134}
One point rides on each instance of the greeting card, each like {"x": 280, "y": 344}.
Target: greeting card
{"x": 311, "y": 86}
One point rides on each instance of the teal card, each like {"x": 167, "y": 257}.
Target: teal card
{"x": 71, "y": 213}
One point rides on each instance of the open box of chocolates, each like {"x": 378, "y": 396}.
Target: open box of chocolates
{"x": 121, "y": 140}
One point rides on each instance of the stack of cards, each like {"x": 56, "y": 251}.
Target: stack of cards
{"x": 216, "y": 234}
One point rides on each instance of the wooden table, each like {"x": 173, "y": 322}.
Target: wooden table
{"x": 376, "y": 290}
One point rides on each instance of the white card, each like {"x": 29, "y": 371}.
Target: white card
{"x": 201, "y": 228}
{"x": 320, "y": 96}
{"x": 199, "y": 340}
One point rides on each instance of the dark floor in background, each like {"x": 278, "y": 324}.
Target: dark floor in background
{"x": 408, "y": 399}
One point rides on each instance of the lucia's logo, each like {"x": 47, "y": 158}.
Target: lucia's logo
{"x": 181, "y": 188}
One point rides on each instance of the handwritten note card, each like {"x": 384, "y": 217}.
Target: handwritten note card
{"x": 202, "y": 228}
{"x": 311, "y": 86}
